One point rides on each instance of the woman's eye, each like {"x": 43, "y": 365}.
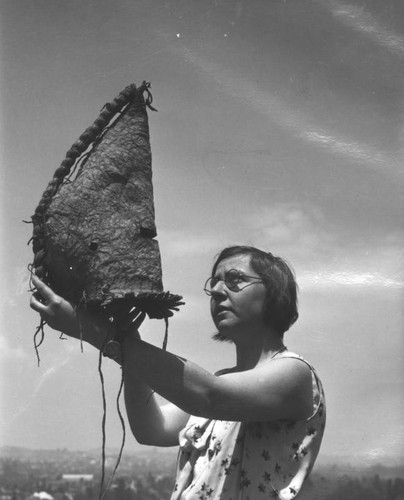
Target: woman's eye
{"x": 232, "y": 282}
{"x": 232, "y": 278}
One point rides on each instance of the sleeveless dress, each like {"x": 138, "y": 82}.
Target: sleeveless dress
{"x": 230, "y": 460}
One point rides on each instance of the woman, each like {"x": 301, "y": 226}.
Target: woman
{"x": 248, "y": 432}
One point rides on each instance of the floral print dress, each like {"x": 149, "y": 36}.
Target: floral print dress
{"x": 249, "y": 460}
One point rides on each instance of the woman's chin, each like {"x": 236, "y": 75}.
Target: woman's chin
{"x": 223, "y": 326}
{"x": 225, "y": 330}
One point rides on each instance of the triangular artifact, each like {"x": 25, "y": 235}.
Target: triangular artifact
{"x": 94, "y": 234}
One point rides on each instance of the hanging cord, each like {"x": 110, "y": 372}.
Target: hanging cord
{"x": 122, "y": 421}
{"x": 39, "y": 329}
{"x": 165, "y": 335}
{"x": 140, "y": 319}
{"x": 81, "y": 320}
{"x": 145, "y": 87}
{"x": 104, "y": 420}
{"x": 118, "y": 461}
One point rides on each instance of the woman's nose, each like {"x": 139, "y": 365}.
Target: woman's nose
{"x": 219, "y": 288}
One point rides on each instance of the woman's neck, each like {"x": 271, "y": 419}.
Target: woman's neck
{"x": 257, "y": 349}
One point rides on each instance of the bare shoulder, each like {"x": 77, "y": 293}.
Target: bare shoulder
{"x": 286, "y": 366}
{"x": 295, "y": 376}
{"x": 276, "y": 389}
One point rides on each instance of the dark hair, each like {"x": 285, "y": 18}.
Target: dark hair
{"x": 280, "y": 306}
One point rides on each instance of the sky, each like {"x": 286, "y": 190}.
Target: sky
{"x": 280, "y": 124}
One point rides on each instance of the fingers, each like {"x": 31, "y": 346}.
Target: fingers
{"x": 43, "y": 289}
{"x": 136, "y": 318}
{"x": 39, "y": 297}
{"x": 43, "y": 300}
{"x": 36, "y": 303}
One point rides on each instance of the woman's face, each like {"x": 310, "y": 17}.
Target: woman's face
{"x": 241, "y": 308}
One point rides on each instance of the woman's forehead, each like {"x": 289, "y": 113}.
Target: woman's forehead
{"x": 240, "y": 262}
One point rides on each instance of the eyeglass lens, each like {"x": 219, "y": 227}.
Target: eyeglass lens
{"x": 231, "y": 279}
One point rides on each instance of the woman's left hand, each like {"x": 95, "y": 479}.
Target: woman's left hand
{"x": 130, "y": 322}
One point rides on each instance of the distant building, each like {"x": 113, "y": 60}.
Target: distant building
{"x": 76, "y": 478}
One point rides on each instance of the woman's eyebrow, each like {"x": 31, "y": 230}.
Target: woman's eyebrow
{"x": 226, "y": 272}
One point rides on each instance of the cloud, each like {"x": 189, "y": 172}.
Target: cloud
{"x": 324, "y": 257}
{"x": 21, "y": 280}
{"x": 291, "y": 227}
{"x": 348, "y": 279}
{"x": 318, "y": 250}
{"x": 19, "y": 286}
{"x": 61, "y": 360}
{"x": 182, "y": 243}
{"x": 8, "y": 351}
{"x": 358, "y": 19}
{"x": 286, "y": 114}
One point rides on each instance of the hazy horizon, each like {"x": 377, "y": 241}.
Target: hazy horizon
{"x": 355, "y": 461}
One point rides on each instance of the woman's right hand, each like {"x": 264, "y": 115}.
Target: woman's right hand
{"x": 57, "y": 312}
{"x": 82, "y": 324}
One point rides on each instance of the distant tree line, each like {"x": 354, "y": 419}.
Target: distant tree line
{"x": 348, "y": 487}
{"x": 19, "y": 479}
{"x": 373, "y": 488}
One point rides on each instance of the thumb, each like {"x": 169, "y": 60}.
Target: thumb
{"x": 138, "y": 320}
{"x": 133, "y": 321}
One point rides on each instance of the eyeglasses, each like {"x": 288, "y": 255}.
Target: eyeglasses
{"x": 234, "y": 281}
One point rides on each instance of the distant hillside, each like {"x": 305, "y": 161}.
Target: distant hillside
{"x": 152, "y": 470}
{"x": 21, "y": 453}
{"x": 326, "y": 466}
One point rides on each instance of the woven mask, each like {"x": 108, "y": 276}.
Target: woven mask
{"x": 94, "y": 232}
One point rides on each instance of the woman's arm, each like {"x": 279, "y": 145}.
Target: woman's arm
{"x": 150, "y": 423}
{"x": 280, "y": 389}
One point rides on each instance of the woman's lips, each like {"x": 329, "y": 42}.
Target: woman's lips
{"x": 222, "y": 310}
